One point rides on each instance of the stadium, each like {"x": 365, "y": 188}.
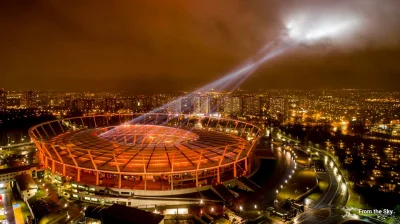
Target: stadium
{"x": 143, "y": 153}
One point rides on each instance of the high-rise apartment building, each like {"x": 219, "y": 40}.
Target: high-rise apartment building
{"x": 3, "y": 100}
{"x": 31, "y": 99}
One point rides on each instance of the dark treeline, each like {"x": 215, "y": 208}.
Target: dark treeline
{"x": 14, "y": 124}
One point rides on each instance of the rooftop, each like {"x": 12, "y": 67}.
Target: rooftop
{"x": 25, "y": 182}
{"x": 17, "y": 169}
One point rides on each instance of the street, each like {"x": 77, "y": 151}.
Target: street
{"x": 8, "y": 206}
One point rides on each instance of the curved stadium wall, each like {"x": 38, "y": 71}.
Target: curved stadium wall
{"x": 159, "y": 152}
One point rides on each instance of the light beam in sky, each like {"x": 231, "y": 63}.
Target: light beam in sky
{"x": 231, "y": 80}
{"x": 299, "y": 30}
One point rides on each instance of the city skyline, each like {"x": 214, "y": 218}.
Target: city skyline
{"x": 182, "y": 46}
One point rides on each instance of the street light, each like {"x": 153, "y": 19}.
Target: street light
{"x": 255, "y": 206}
{"x": 241, "y": 208}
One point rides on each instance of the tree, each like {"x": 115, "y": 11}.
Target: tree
{"x": 397, "y": 210}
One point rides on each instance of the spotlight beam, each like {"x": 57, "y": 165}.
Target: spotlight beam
{"x": 299, "y": 31}
{"x": 231, "y": 80}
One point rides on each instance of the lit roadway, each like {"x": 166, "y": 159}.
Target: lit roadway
{"x": 329, "y": 199}
{"x": 8, "y": 207}
{"x": 265, "y": 197}
{"x": 69, "y": 212}
{"x": 324, "y": 201}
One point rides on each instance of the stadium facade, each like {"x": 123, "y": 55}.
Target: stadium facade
{"x": 145, "y": 154}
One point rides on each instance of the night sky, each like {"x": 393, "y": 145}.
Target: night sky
{"x": 169, "y": 45}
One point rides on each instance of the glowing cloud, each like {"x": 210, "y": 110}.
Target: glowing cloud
{"x": 311, "y": 29}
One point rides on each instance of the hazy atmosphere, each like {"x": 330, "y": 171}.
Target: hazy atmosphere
{"x": 181, "y": 45}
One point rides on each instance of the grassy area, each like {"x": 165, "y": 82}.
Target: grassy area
{"x": 299, "y": 184}
{"x": 356, "y": 201}
{"x": 39, "y": 194}
{"x": 302, "y": 161}
{"x": 302, "y": 158}
{"x": 390, "y": 220}
{"x": 314, "y": 196}
{"x": 323, "y": 185}
{"x": 24, "y": 208}
{"x": 222, "y": 221}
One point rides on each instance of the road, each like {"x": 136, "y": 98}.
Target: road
{"x": 265, "y": 196}
{"x": 68, "y": 210}
{"x": 312, "y": 214}
{"x": 8, "y": 207}
{"x": 331, "y": 192}
{"x": 328, "y": 200}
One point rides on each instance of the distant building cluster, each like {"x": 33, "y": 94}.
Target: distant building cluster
{"x": 345, "y": 110}
{"x": 17, "y": 100}
{"x": 227, "y": 103}
{"x": 380, "y": 167}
